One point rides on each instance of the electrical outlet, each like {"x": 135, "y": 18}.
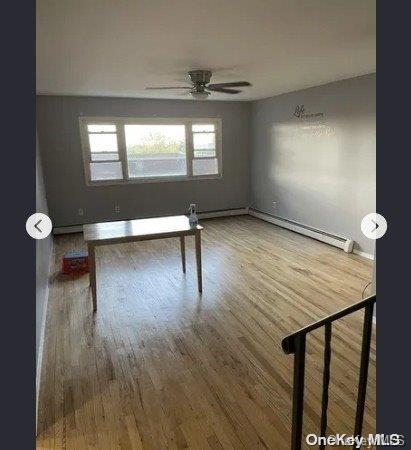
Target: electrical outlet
{"x": 274, "y": 205}
{"x": 117, "y": 208}
{"x": 80, "y": 212}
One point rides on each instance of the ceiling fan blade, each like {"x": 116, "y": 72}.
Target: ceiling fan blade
{"x": 233, "y": 84}
{"x": 220, "y": 89}
{"x": 169, "y": 87}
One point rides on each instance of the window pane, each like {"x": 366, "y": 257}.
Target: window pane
{"x": 106, "y": 171}
{"x": 204, "y": 144}
{"x": 104, "y": 156}
{"x": 205, "y": 166}
{"x": 103, "y": 143}
{"x": 101, "y": 128}
{"x": 203, "y": 127}
{"x": 156, "y": 150}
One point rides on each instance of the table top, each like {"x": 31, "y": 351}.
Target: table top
{"x": 128, "y": 230}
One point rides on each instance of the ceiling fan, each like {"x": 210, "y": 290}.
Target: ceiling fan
{"x": 201, "y": 86}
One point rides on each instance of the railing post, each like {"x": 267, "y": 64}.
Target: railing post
{"x": 365, "y": 357}
{"x": 326, "y": 379}
{"x": 298, "y": 392}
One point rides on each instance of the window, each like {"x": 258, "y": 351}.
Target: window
{"x": 104, "y": 158}
{"x": 205, "y": 150}
{"x": 124, "y": 150}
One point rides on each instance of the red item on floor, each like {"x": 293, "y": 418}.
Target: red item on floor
{"x": 75, "y": 263}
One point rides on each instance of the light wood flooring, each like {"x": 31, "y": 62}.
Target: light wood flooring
{"x": 161, "y": 367}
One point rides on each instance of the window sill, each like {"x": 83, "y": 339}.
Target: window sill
{"x": 152, "y": 180}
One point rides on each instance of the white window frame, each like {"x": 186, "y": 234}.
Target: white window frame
{"x": 122, "y": 150}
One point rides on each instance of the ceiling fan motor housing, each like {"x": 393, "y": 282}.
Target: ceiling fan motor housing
{"x": 200, "y": 77}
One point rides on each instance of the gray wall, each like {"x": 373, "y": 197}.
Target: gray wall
{"x": 321, "y": 171}
{"x": 59, "y": 138}
{"x": 43, "y": 254}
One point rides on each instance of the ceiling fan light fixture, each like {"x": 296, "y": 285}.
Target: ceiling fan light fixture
{"x": 200, "y": 95}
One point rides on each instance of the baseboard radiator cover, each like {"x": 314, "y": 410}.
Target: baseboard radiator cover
{"x": 345, "y": 244}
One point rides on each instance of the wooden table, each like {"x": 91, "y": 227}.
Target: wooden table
{"x": 107, "y": 233}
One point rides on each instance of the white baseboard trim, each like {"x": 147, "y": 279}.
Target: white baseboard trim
{"x": 363, "y": 254}
{"x": 201, "y": 215}
{"x": 224, "y": 213}
{"x": 337, "y": 241}
{"x": 39, "y": 361}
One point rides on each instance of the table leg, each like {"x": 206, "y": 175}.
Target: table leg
{"x": 92, "y": 268}
{"x": 183, "y": 252}
{"x": 198, "y": 259}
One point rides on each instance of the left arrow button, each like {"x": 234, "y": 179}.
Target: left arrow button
{"x": 33, "y": 228}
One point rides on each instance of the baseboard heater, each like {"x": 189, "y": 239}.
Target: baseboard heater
{"x": 337, "y": 241}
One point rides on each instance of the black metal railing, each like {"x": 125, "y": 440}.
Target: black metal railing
{"x": 295, "y": 343}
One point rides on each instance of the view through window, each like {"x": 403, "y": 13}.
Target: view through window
{"x": 156, "y": 150}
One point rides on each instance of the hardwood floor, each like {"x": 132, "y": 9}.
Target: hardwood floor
{"x": 161, "y": 367}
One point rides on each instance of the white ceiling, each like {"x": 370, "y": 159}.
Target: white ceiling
{"x": 118, "y": 47}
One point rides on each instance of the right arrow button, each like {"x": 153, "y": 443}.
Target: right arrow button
{"x": 373, "y": 226}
